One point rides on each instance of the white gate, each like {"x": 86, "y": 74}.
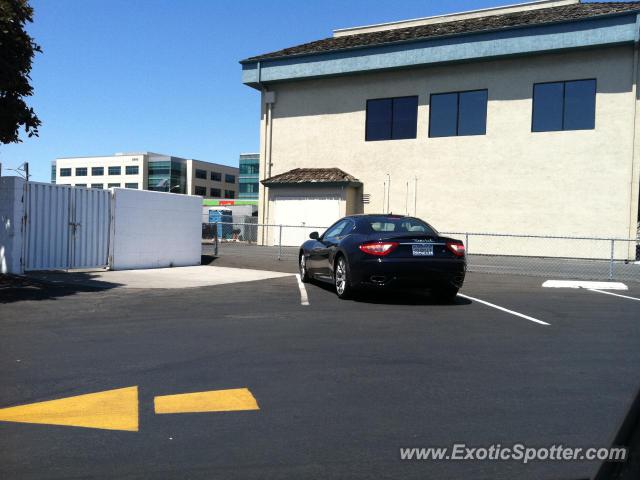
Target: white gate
{"x": 66, "y": 227}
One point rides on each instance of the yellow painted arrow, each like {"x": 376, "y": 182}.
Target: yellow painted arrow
{"x": 212, "y": 401}
{"x": 108, "y": 410}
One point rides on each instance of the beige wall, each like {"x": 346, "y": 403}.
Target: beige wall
{"x": 192, "y": 181}
{"x": 574, "y": 183}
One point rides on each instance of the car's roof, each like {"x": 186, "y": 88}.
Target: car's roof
{"x": 389, "y": 215}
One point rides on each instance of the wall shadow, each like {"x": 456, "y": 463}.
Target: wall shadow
{"x": 48, "y": 286}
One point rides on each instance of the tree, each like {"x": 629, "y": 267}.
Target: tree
{"x": 17, "y": 50}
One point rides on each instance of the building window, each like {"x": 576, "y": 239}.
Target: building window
{"x": 564, "y": 106}
{"x": 131, "y": 170}
{"x": 80, "y": 185}
{"x": 114, "y": 185}
{"x": 458, "y": 114}
{"x": 114, "y": 170}
{"x": 391, "y": 118}
{"x": 97, "y": 185}
{"x": 201, "y": 174}
{"x": 214, "y": 192}
{"x": 131, "y": 185}
{"x": 216, "y": 176}
{"x": 247, "y": 168}
{"x": 97, "y": 171}
{"x": 249, "y": 187}
{"x": 53, "y": 174}
{"x": 65, "y": 172}
{"x": 202, "y": 191}
{"x": 81, "y": 172}
{"x": 229, "y": 194}
{"x": 229, "y": 178}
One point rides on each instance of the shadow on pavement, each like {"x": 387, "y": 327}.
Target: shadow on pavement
{"x": 628, "y": 436}
{"x": 48, "y": 285}
{"x": 257, "y": 262}
{"x": 390, "y": 296}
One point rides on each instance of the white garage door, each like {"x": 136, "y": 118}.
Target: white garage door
{"x": 303, "y": 215}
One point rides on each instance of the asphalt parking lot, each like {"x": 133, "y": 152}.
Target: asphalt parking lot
{"x": 341, "y": 385}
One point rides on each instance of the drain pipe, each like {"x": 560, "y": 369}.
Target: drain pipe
{"x": 406, "y": 200}
{"x": 415, "y": 197}
{"x": 267, "y": 99}
{"x": 388, "y": 193}
{"x": 635, "y": 170}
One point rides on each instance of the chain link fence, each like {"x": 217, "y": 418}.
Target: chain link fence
{"x": 588, "y": 258}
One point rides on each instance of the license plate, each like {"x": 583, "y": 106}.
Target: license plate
{"x": 422, "y": 250}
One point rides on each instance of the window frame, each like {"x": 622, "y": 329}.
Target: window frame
{"x": 366, "y": 117}
{"x": 213, "y": 195}
{"x": 128, "y": 185}
{"x": 229, "y": 175}
{"x": 218, "y": 176}
{"x": 97, "y": 169}
{"x": 197, "y": 171}
{"x": 195, "y": 190}
{"x": 458, "y": 93}
{"x": 66, "y": 172}
{"x": 85, "y": 174}
{"x": 114, "y": 167}
{"x": 564, "y": 96}
{"x": 127, "y": 167}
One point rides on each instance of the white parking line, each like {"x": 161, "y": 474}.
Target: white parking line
{"x": 527, "y": 317}
{"x": 614, "y": 294}
{"x": 304, "y": 299}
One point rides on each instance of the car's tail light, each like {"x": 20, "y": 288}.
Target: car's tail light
{"x": 378, "y": 248}
{"x": 457, "y": 248}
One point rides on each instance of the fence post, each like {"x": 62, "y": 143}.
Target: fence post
{"x": 611, "y": 260}
{"x": 280, "y": 244}
{"x": 215, "y": 239}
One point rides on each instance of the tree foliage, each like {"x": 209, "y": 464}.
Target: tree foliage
{"x": 17, "y": 50}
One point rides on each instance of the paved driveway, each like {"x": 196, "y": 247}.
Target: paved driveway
{"x": 341, "y": 386}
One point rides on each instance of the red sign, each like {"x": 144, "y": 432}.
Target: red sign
{"x": 226, "y": 202}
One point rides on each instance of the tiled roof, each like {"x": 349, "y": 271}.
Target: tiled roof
{"x": 311, "y": 175}
{"x": 579, "y": 11}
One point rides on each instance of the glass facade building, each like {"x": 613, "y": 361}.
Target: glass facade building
{"x": 167, "y": 174}
{"x": 249, "y": 176}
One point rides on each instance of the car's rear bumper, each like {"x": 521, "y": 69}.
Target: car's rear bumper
{"x": 408, "y": 272}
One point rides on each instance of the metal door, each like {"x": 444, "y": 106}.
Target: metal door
{"x": 66, "y": 227}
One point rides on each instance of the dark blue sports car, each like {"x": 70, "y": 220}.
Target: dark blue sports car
{"x": 384, "y": 250}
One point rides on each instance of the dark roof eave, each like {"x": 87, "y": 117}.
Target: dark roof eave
{"x": 345, "y": 183}
{"x": 260, "y": 58}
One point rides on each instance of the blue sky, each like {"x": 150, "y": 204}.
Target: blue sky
{"x": 163, "y": 75}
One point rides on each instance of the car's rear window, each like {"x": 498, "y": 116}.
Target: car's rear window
{"x": 400, "y": 225}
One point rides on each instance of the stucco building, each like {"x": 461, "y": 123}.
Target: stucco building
{"x": 519, "y": 119}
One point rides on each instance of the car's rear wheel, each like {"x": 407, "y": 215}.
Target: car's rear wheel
{"x": 445, "y": 294}
{"x": 341, "y": 278}
{"x": 302, "y": 265}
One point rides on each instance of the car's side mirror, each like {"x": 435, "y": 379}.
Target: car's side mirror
{"x": 314, "y": 235}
